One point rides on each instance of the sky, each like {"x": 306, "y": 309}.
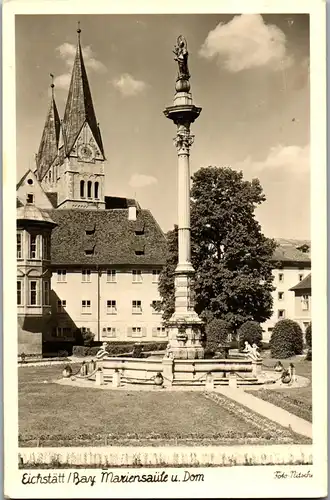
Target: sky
{"x": 249, "y": 73}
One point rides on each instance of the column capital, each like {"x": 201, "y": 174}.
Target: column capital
{"x": 183, "y": 142}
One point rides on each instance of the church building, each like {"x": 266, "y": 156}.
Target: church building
{"x": 106, "y": 252}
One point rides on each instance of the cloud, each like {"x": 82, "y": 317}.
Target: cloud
{"x": 67, "y": 52}
{"x": 62, "y": 81}
{"x": 140, "y": 180}
{"x": 290, "y": 159}
{"x": 128, "y": 86}
{"x": 247, "y": 42}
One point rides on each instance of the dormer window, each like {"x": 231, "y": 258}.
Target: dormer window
{"x": 30, "y": 199}
{"x": 90, "y": 229}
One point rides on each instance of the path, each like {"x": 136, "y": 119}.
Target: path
{"x": 268, "y": 410}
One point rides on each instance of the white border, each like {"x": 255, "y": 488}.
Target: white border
{"x": 229, "y": 482}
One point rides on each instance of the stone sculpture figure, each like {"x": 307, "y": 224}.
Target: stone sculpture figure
{"x": 251, "y": 352}
{"x": 181, "y": 56}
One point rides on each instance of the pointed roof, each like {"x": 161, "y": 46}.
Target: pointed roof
{"x": 49, "y": 142}
{"x": 305, "y": 284}
{"x": 79, "y": 106}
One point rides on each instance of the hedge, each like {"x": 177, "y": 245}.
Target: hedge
{"x": 218, "y": 332}
{"x": 286, "y": 339}
{"x": 250, "y": 332}
{"x": 115, "y": 348}
{"x": 308, "y": 335}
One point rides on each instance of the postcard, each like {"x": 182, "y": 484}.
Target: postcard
{"x": 168, "y": 166}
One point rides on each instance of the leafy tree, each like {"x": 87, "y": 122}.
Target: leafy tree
{"x": 250, "y": 332}
{"x": 308, "y": 335}
{"x": 286, "y": 339}
{"x": 218, "y": 332}
{"x": 231, "y": 256}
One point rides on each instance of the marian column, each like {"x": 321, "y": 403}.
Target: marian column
{"x": 185, "y": 328}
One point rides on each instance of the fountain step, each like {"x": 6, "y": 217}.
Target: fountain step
{"x": 187, "y": 383}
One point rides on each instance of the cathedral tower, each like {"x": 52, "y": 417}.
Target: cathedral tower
{"x": 77, "y": 174}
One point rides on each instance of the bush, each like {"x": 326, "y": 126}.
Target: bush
{"x": 92, "y": 351}
{"x": 286, "y": 339}
{"x": 250, "y": 332}
{"x": 79, "y": 351}
{"x": 218, "y": 332}
{"x": 63, "y": 354}
{"x": 308, "y": 336}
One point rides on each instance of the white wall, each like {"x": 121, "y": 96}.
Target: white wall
{"x": 291, "y": 278}
{"x": 123, "y": 291}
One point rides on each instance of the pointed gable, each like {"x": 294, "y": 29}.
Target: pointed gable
{"x": 48, "y": 148}
{"x": 30, "y": 191}
{"x": 79, "y": 107}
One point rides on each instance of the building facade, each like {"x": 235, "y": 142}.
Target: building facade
{"x": 292, "y": 264}
{"x": 33, "y": 254}
{"x": 303, "y": 301}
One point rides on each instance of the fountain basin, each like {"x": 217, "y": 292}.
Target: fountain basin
{"x": 179, "y": 371}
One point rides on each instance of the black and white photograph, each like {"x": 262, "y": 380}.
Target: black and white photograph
{"x": 170, "y": 298}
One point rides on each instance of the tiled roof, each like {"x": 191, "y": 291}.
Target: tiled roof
{"x": 79, "y": 107}
{"x": 52, "y": 198}
{"x": 48, "y": 148}
{"x": 290, "y": 251}
{"x": 113, "y": 242}
{"x": 305, "y": 284}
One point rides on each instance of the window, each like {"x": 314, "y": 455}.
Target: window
{"x": 111, "y": 307}
{"x": 30, "y": 181}
{"x": 301, "y": 277}
{"x": 305, "y": 303}
{"x": 111, "y": 276}
{"x": 136, "y": 331}
{"x": 30, "y": 199}
{"x": 46, "y": 293}
{"x": 281, "y": 277}
{"x": 86, "y": 307}
{"x": 140, "y": 251}
{"x": 61, "y": 276}
{"x": 136, "y": 307}
{"x": 86, "y": 275}
{"x": 161, "y": 331}
{"x": 61, "y": 305}
{"x": 270, "y": 329}
{"x": 33, "y": 296}
{"x": 63, "y": 331}
{"x": 83, "y": 329}
{"x": 154, "y": 304}
{"x": 89, "y": 189}
{"x": 33, "y": 246}
{"x": 19, "y": 292}
{"x": 137, "y": 276}
{"x": 109, "y": 331}
{"x": 45, "y": 250}
{"x": 155, "y": 275}
{"x": 96, "y": 190}
{"x": 90, "y": 252}
{"x": 280, "y": 295}
{"x": 82, "y": 189}
{"x": 281, "y": 314}
{"x": 19, "y": 241}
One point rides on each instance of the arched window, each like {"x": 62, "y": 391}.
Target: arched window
{"x": 50, "y": 175}
{"x": 96, "y": 190}
{"x": 82, "y": 189}
{"x": 89, "y": 189}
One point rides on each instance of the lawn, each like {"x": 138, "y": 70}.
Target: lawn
{"x": 296, "y": 400}
{"x": 51, "y": 415}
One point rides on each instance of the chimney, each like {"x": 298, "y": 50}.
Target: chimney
{"x": 131, "y": 213}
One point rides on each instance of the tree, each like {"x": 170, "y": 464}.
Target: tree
{"x": 308, "y": 336}
{"x": 166, "y": 278}
{"x": 231, "y": 256}
{"x": 286, "y": 339}
{"x": 217, "y": 333}
{"x": 250, "y": 332}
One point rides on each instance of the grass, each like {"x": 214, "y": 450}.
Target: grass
{"x": 78, "y": 416}
{"x": 297, "y": 401}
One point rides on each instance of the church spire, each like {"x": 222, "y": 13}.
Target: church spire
{"x": 49, "y": 141}
{"x": 79, "y": 106}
